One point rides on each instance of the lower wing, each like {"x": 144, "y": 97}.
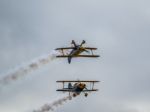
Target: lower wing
{"x": 86, "y": 56}
{"x": 90, "y": 48}
{"x": 90, "y": 90}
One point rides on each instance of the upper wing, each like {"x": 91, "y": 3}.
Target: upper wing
{"x": 90, "y": 48}
{"x": 64, "y": 48}
{"x": 70, "y": 90}
{"x": 61, "y": 81}
{"x": 62, "y": 56}
{"x": 65, "y": 90}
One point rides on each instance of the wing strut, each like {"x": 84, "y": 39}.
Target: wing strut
{"x": 62, "y": 52}
{"x": 92, "y": 52}
{"x": 93, "y": 86}
{"x": 63, "y": 85}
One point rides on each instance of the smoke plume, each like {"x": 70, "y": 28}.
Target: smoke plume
{"x": 24, "y": 69}
{"x": 51, "y": 106}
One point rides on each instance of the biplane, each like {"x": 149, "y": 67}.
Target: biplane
{"x": 75, "y": 87}
{"x": 76, "y": 51}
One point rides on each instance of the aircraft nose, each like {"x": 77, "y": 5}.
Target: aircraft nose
{"x": 83, "y": 85}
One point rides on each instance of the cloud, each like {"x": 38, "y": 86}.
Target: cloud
{"x": 120, "y": 29}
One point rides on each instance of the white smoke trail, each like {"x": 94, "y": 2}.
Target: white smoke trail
{"x": 24, "y": 69}
{"x": 50, "y": 106}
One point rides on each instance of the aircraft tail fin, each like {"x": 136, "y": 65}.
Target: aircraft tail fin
{"x": 73, "y": 42}
{"x": 83, "y": 42}
{"x": 69, "y": 59}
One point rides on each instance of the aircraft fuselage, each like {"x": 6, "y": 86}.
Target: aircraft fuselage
{"x": 78, "y": 88}
{"x": 78, "y": 50}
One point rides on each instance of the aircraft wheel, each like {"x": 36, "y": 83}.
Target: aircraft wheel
{"x": 74, "y": 95}
{"x": 86, "y": 94}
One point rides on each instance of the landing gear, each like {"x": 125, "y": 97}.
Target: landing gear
{"x": 74, "y": 95}
{"x": 86, "y": 94}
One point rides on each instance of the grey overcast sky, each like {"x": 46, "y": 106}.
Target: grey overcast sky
{"x": 119, "y": 28}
